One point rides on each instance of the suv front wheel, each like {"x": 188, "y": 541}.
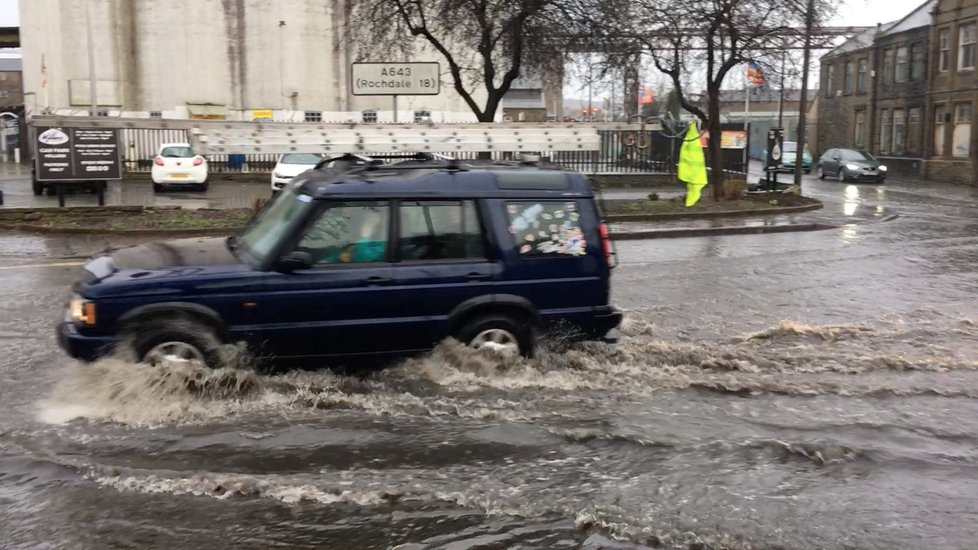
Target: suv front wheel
{"x": 501, "y": 333}
{"x": 163, "y": 341}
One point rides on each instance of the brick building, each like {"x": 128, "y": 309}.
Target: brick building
{"x": 11, "y": 85}
{"x": 951, "y": 137}
{"x": 906, "y": 91}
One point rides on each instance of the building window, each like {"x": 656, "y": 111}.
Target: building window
{"x": 829, "y": 81}
{"x": 966, "y": 47}
{"x": 899, "y": 131}
{"x": 422, "y": 116}
{"x": 944, "y": 56}
{"x": 861, "y": 75}
{"x": 913, "y": 129}
{"x": 888, "y": 65}
{"x": 4, "y": 94}
{"x": 885, "y": 127}
{"x": 314, "y": 116}
{"x": 155, "y": 114}
{"x": 370, "y": 116}
{"x": 859, "y": 137}
{"x": 940, "y": 120}
{"x": 917, "y": 61}
{"x": 3, "y": 76}
{"x": 961, "y": 138}
{"x": 850, "y": 77}
{"x": 902, "y": 64}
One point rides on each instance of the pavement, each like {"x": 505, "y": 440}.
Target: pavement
{"x": 853, "y": 206}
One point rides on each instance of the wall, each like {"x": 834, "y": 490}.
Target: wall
{"x": 11, "y": 90}
{"x": 242, "y": 54}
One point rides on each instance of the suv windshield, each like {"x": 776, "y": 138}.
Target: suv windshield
{"x": 301, "y": 158}
{"x": 852, "y": 154}
{"x": 276, "y": 220}
{"x": 177, "y": 152}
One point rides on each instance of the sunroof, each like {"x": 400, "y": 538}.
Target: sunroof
{"x": 532, "y": 179}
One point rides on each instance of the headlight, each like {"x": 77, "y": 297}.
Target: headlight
{"x": 852, "y": 167}
{"x": 82, "y": 310}
{"x": 280, "y": 176}
{"x": 882, "y": 168}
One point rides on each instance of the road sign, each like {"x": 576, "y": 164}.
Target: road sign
{"x": 775, "y": 146}
{"x": 77, "y": 154}
{"x": 396, "y": 79}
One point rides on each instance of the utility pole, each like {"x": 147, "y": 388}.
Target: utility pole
{"x": 803, "y": 100}
{"x": 92, "y": 79}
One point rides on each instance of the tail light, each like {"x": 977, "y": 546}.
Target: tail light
{"x": 610, "y": 255}
{"x": 198, "y": 160}
{"x": 158, "y": 161}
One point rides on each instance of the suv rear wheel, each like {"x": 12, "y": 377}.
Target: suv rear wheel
{"x": 162, "y": 341}
{"x": 500, "y": 333}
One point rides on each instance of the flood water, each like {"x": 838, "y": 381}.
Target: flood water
{"x": 805, "y": 390}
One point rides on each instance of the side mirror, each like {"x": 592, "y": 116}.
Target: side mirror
{"x": 294, "y": 261}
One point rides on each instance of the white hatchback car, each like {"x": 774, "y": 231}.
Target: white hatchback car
{"x": 291, "y": 165}
{"x": 176, "y": 164}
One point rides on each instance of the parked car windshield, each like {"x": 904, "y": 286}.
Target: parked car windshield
{"x": 177, "y": 152}
{"x": 789, "y": 147}
{"x": 852, "y": 154}
{"x": 273, "y": 223}
{"x": 300, "y": 158}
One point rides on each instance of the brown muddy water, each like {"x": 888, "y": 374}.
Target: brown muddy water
{"x": 799, "y": 391}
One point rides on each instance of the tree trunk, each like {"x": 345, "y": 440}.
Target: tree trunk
{"x": 489, "y": 115}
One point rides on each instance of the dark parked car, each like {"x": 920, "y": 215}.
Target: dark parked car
{"x": 377, "y": 260}
{"x": 851, "y": 165}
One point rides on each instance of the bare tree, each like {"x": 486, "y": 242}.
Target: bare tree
{"x": 485, "y": 43}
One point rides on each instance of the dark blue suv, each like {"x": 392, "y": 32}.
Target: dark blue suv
{"x": 376, "y": 260}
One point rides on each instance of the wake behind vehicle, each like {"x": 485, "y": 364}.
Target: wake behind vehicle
{"x": 375, "y": 260}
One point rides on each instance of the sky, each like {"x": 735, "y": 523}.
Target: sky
{"x": 852, "y": 12}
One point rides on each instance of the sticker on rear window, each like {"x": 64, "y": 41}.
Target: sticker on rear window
{"x": 546, "y": 228}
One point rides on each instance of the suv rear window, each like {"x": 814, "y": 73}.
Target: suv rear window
{"x": 546, "y": 228}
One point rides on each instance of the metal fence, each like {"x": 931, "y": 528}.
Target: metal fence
{"x": 620, "y": 152}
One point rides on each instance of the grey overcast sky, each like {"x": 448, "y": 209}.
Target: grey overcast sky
{"x": 852, "y": 12}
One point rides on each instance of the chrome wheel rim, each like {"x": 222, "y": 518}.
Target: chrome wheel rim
{"x": 842, "y": 175}
{"x": 173, "y": 352}
{"x": 496, "y": 339}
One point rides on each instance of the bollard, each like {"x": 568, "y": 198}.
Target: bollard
{"x": 17, "y": 155}
{"x": 1, "y": 197}
{"x": 61, "y": 194}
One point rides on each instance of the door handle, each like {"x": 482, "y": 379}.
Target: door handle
{"x": 376, "y": 281}
{"x": 478, "y": 277}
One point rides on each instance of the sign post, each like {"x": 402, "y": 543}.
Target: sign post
{"x": 396, "y": 79}
{"x": 66, "y": 155}
{"x": 775, "y": 145}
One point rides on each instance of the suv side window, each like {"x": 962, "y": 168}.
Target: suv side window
{"x": 440, "y": 230}
{"x": 546, "y": 228}
{"x": 348, "y": 232}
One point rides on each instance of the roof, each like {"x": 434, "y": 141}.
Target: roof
{"x": 447, "y": 179}
{"x": 920, "y": 17}
{"x": 765, "y": 94}
{"x": 860, "y": 40}
{"x": 10, "y": 64}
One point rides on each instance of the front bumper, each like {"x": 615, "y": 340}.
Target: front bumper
{"x": 86, "y": 348}
{"x": 280, "y": 183}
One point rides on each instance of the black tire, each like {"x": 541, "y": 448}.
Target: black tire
{"x": 157, "y": 188}
{"x": 203, "y": 187}
{"x": 521, "y": 330}
{"x": 841, "y": 176}
{"x": 153, "y": 332}
{"x": 821, "y": 173}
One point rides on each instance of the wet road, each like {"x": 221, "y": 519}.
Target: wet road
{"x": 803, "y": 390}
